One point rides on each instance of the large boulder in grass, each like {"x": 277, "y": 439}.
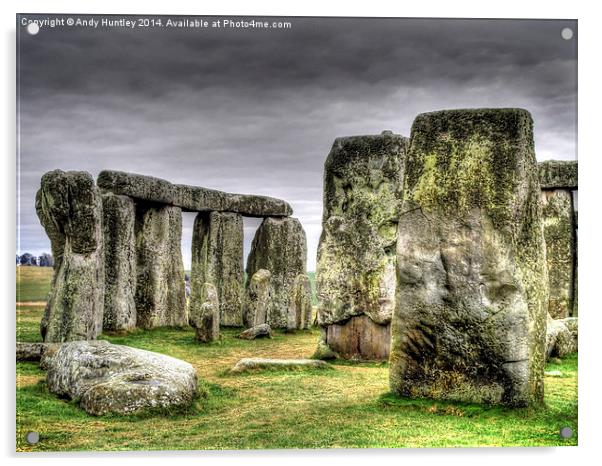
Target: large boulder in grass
{"x": 106, "y": 378}
{"x": 279, "y": 246}
{"x": 470, "y": 318}
{"x": 250, "y": 364}
{"x": 259, "y": 331}
{"x": 561, "y": 337}
{"x": 69, "y": 207}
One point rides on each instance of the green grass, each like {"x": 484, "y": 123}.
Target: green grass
{"x": 33, "y": 283}
{"x": 347, "y": 407}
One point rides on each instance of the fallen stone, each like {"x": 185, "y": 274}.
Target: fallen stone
{"x": 559, "y": 234}
{"x": 160, "y": 285}
{"x": 560, "y": 340}
{"x": 191, "y": 198}
{"x": 259, "y": 331}
{"x": 205, "y": 318}
{"x": 323, "y": 351}
{"x": 300, "y": 308}
{"x": 69, "y": 207}
{"x": 258, "y": 299}
{"x": 553, "y": 374}
{"x": 217, "y": 258}
{"x": 470, "y": 318}
{"x": 119, "y": 215}
{"x": 249, "y": 364}
{"x": 105, "y": 378}
{"x": 32, "y": 351}
{"x": 558, "y": 174}
{"x": 363, "y": 187}
{"x": 279, "y": 246}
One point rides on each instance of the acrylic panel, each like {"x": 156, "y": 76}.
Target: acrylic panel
{"x": 295, "y": 232}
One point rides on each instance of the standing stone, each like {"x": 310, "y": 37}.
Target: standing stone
{"x": 557, "y": 211}
{"x": 299, "y": 313}
{"x": 205, "y": 318}
{"x": 259, "y": 293}
{"x": 217, "y": 258}
{"x": 575, "y": 311}
{"x": 119, "y": 218}
{"x": 279, "y": 246}
{"x": 355, "y": 276}
{"x": 69, "y": 207}
{"x": 470, "y": 318}
{"x": 160, "y": 285}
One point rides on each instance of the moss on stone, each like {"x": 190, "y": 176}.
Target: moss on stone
{"x": 362, "y": 201}
{"x": 217, "y": 258}
{"x": 472, "y": 280}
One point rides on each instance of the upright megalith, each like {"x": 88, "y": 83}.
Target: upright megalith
{"x": 300, "y": 308}
{"x": 355, "y": 275}
{"x": 258, "y": 298}
{"x": 204, "y": 318}
{"x": 217, "y": 258}
{"x": 279, "y": 246}
{"x": 160, "y": 287}
{"x": 470, "y": 317}
{"x": 69, "y": 207}
{"x": 558, "y": 179}
{"x": 119, "y": 215}
{"x": 559, "y": 234}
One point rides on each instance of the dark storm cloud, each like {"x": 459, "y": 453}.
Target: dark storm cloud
{"x": 256, "y": 111}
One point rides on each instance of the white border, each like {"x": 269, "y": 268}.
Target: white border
{"x": 589, "y": 260}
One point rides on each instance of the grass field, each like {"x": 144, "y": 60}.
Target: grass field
{"x": 348, "y": 406}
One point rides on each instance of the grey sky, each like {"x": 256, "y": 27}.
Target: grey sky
{"x": 256, "y": 111}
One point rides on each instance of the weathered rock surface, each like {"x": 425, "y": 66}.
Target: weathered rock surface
{"x": 217, "y": 258}
{"x": 359, "y": 338}
{"x": 557, "y": 211}
{"x": 561, "y": 337}
{"x": 259, "y": 292}
{"x": 32, "y": 351}
{"x": 249, "y": 364}
{"x": 106, "y": 378}
{"x": 259, "y": 331}
{"x": 205, "y": 317}
{"x": 191, "y": 198}
{"x": 279, "y": 246}
{"x": 558, "y": 174}
{"x": 119, "y": 218}
{"x": 160, "y": 286}
{"x": 323, "y": 351}
{"x": 300, "y": 308}
{"x": 470, "y": 319}
{"x": 363, "y": 186}
{"x": 69, "y": 207}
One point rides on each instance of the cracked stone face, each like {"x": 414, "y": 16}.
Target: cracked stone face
{"x": 363, "y": 183}
{"x": 470, "y": 320}
{"x": 69, "y": 207}
{"x": 560, "y": 250}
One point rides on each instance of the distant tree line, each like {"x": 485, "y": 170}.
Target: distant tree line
{"x": 45, "y": 260}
